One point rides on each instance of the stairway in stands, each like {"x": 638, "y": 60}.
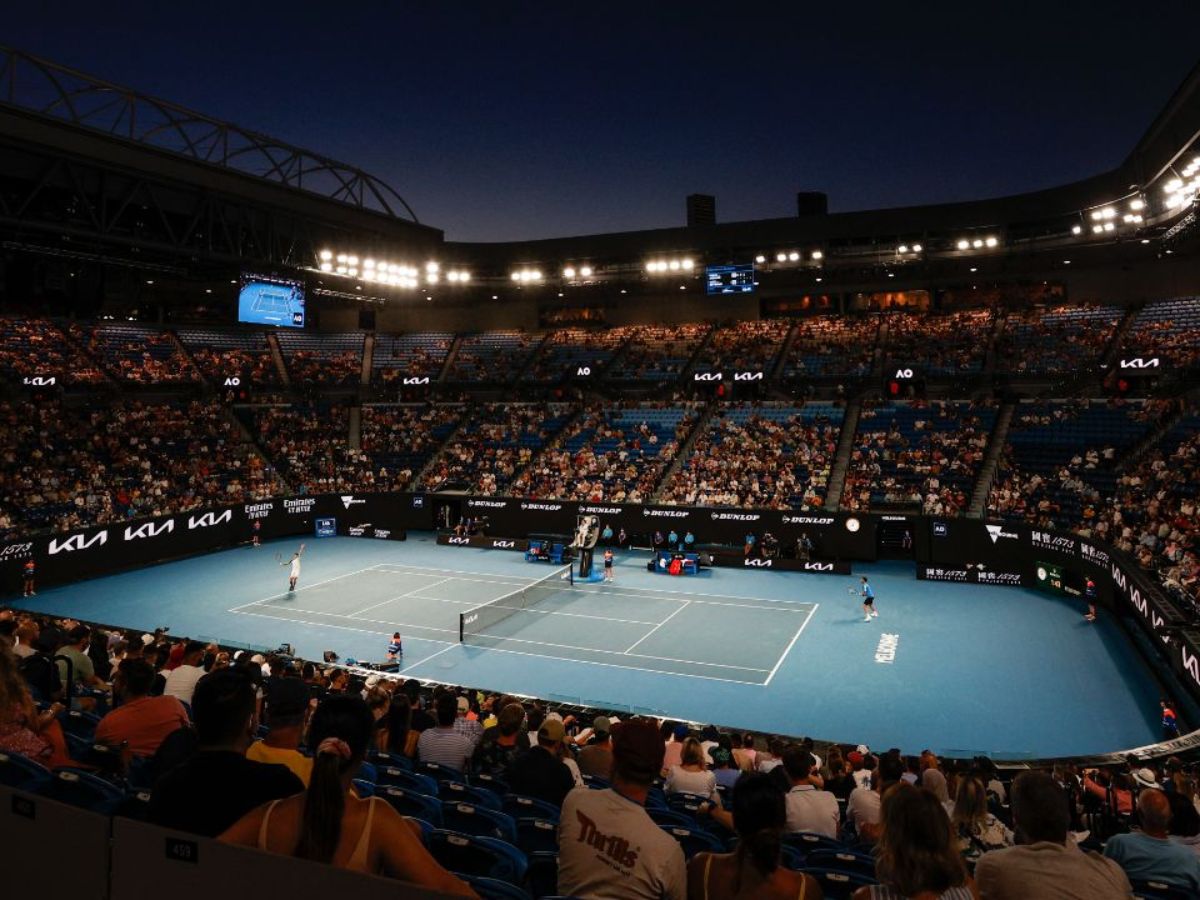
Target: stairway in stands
{"x": 991, "y": 461}
{"x": 685, "y": 449}
{"x": 841, "y": 461}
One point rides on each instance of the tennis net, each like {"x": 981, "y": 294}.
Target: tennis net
{"x": 487, "y": 615}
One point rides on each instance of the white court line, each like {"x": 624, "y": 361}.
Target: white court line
{"x": 428, "y": 658}
{"x": 298, "y": 590}
{"x": 788, "y": 649}
{"x": 398, "y": 596}
{"x": 348, "y": 628}
{"x": 658, "y": 626}
{"x": 593, "y": 662}
{"x": 693, "y": 662}
{"x": 552, "y": 612}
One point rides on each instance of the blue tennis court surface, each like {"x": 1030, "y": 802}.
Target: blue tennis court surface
{"x": 961, "y": 669}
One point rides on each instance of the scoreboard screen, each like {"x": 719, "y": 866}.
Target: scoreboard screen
{"x": 1056, "y": 580}
{"x": 729, "y": 279}
{"x": 264, "y": 300}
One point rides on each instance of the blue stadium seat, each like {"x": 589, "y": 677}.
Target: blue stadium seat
{"x": 543, "y": 874}
{"x": 78, "y": 723}
{"x": 536, "y": 835}
{"x": 791, "y": 858}
{"x": 520, "y": 807}
{"x": 494, "y": 888}
{"x": 413, "y": 781}
{"x": 595, "y": 783}
{"x": 411, "y": 803}
{"x": 469, "y": 793}
{"x": 426, "y": 828}
{"x": 844, "y": 860}
{"x": 497, "y": 786}
{"x": 391, "y": 760}
{"x": 839, "y": 885}
{"x": 440, "y": 773}
{"x": 83, "y": 789}
{"x": 17, "y": 771}
{"x": 694, "y": 840}
{"x": 1158, "y": 890}
{"x": 672, "y": 818}
{"x": 806, "y": 842}
{"x": 363, "y": 788}
{"x": 368, "y": 772}
{"x": 478, "y": 856}
{"x": 478, "y": 820}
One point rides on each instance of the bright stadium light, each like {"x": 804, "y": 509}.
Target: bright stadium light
{"x": 817, "y": 254}
{"x": 585, "y": 271}
{"x": 963, "y": 245}
{"x": 1076, "y": 229}
{"x": 341, "y": 257}
{"x": 1137, "y": 205}
{"x": 674, "y": 265}
{"x": 326, "y": 255}
{"x": 326, "y": 267}
{"x": 917, "y": 248}
{"x": 516, "y": 276}
{"x": 1097, "y": 229}
{"x": 686, "y": 263}
{"x": 977, "y": 243}
{"x": 431, "y": 267}
{"x": 368, "y": 263}
{"x": 1109, "y": 226}
{"x": 903, "y": 248}
{"x": 568, "y": 272}
{"x": 352, "y": 260}
{"x": 760, "y": 259}
{"x": 991, "y": 242}
{"x": 781, "y": 257}
{"x": 793, "y": 256}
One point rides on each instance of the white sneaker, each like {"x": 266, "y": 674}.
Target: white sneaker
{"x": 874, "y": 615}
{"x": 866, "y": 618}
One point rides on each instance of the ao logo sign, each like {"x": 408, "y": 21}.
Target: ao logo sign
{"x": 415, "y": 380}
{"x": 1138, "y": 363}
{"x": 233, "y": 381}
{"x": 77, "y": 542}
{"x": 583, "y": 371}
{"x": 903, "y": 373}
{"x": 147, "y": 530}
{"x": 209, "y": 519}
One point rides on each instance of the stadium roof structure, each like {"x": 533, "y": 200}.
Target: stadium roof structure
{"x": 82, "y": 100}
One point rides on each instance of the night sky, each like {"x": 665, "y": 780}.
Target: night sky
{"x": 522, "y": 120}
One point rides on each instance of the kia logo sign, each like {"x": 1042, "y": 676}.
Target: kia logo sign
{"x": 1139, "y": 363}
{"x": 818, "y": 567}
{"x": 747, "y": 376}
{"x": 147, "y": 530}
{"x": 759, "y": 563}
{"x": 77, "y": 542}
{"x": 707, "y": 376}
{"x": 417, "y": 380}
{"x": 458, "y": 540}
{"x": 40, "y": 380}
{"x": 209, "y": 519}
{"x": 504, "y": 545}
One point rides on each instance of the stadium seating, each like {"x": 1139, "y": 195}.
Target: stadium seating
{"x": 760, "y": 455}
{"x": 493, "y": 356}
{"x": 37, "y": 348}
{"x": 748, "y": 346}
{"x": 616, "y": 454}
{"x": 222, "y": 354}
{"x": 322, "y": 358}
{"x": 310, "y": 446}
{"x": 658, "y": 353}
{"x": 917, "y": 454}
{"x": 832, "y": 347}
{"x": 135, "y": 354}
{"x": 938, "y": 345}
{"x": 1056, "y": 340}
{"x": 1168, "y": 329}
{"x": 419, "y": 355}
{"x": 566, "y": 351}
{"x": 400, "y": 440}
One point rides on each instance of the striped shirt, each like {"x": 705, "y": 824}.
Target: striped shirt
{"x": 446, "y": 747}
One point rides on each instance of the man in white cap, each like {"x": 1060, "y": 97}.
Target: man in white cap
{"x": 465, "y": 725}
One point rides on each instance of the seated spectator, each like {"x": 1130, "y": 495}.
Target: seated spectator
{"x": 327, "y": 823}
{"x": 141, "y": 722}
{"x": 723, "y": 768}
{"x": 83, "y": 672}
{"x": 744, "y": 753}
{"x": 1150, "y": 854}
{"x": 398, "y": 734}
{"x": 863, "y": 807}
{"x": 286, "y": 705}
{"x": 608, "y": 845}
{"x": 1045, "y": 863}
{"x": 218, "y": 785}
{"x": 917, "y": 856}
{"x": 40, "y": 671}
{"x": 753, "y": 869}
{"x": 467, "y": 723}
{"x": 596, "y": 758}
{"x": 1115, "y": 789}
{"x": 977, "y": 829}
{"x": 692, "y": 776}
{"x": 501, "y": 743}
{"x": 444, "y": 744}
{"x": 22, "y": 728}
{"x": 182, "y": 680}
{"x": 673, "y": 736}
{"x": 808, "y": 807}
{"x": 540, "y": 771}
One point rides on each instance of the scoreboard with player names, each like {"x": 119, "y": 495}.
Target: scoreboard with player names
{"x": 729, "y": 279}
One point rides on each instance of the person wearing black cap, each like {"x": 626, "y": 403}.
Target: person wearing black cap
{"x": 540, "y": 772}
{"x": 608, "y": 845}
{"x": 287, "y": 704}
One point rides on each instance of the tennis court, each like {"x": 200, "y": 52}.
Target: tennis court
{"x": 712, "y": 636}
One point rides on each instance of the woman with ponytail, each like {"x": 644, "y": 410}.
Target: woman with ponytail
{"x": 753, "y": 869}
{"x": 327, "y": 823}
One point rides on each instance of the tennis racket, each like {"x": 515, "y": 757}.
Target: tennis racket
{"x": 301, "y": 548}
{"x": 852, "y": 590}
{"x": 278, "y": 557}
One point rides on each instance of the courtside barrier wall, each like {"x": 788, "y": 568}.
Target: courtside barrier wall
{"x": 955, "y": 550}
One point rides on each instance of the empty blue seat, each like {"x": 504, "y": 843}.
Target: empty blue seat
{"x": 440, "y": 772}
{"x": 536, "y": 835}
{"x": 478, "y": 856}
{"x": 413, "y": 781}
{"x": 83, "y": 789}
{"x": 17, "y": 771}
{"x": 694, "y": 840}
{"x": 411, "y": 803}
{"x": 478, "y": 820}
{"x": 469, "y": 793}
{"x": 391, "y": 760}
{"x": 806, "y": 842}
{"x": 520, "y": 807}
{"x": 672, "y": 818}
